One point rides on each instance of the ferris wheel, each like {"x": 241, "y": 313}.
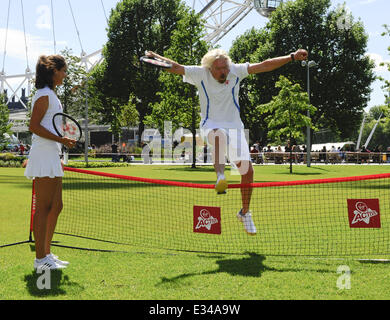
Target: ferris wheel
{"x": 221, "y": 16}
{"x": 13, "y": 83}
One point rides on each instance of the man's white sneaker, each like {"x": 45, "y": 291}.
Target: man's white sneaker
{"x": 246, "y": 219}
{"x": 221, "y": 185}
{"x": 47, "y": 264}
{"x": 58, "y": 261}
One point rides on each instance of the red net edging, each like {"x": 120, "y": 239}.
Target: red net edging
{"x": 231, "y": 186}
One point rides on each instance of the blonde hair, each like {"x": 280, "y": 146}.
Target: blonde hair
{"x": 209, "y": 58}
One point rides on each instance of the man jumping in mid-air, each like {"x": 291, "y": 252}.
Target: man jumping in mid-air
{"x": 218, "y": 82}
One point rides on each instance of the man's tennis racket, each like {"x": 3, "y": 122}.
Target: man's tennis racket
{"x": 66, "y": 126}
{"x": 155, "y": 62}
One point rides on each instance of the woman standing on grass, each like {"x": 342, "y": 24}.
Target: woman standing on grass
{"x": 44, "y": 163}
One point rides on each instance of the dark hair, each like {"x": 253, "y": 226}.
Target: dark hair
{"x": 45, "y": 70}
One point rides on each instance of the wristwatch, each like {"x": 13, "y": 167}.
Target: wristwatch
{"x": 292, "y": 57}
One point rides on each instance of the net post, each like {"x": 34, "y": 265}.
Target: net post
{"x": 33, "y": 207}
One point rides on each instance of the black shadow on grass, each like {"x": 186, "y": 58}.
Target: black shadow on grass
{"x": 208, "y": 168}
{"x": 252, "y": 266}
{"x": 107, "y": 185}
{"x": 58, "y": 283}
{"x": 369, "y": 187}
{"x": 312, "y": 173}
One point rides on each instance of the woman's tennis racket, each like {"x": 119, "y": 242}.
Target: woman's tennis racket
{"x": 155, "y": 62}
{"x": 66, "y": 126}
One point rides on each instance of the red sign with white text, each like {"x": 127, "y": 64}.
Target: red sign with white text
{"x": 207, "y": 219}
{"x": 364, "y": 213}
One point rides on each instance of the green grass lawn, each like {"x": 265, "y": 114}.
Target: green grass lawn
{"x": 144, "y": 271}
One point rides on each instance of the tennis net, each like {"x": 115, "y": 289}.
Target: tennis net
{"x": 326, "y": 217}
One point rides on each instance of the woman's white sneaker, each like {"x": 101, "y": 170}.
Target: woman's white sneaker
{"x": 47, "y": 264}
{"x": 58, "y": 261}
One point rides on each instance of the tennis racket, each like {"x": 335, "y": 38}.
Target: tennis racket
{"x": 66, "y": 126}
{"x": 155, "y": 62}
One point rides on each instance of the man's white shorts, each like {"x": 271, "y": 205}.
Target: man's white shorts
{"x": 237, "y": 144}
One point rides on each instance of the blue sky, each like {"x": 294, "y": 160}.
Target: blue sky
{"x": 91, "y": 23}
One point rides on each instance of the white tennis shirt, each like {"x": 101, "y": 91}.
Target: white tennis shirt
{"x": 219, "y": 106}
{"x": 47, "y": 120}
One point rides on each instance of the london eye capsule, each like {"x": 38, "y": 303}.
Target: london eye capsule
{"x": 266, "y": 7}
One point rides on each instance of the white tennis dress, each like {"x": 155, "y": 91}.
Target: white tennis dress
{"x": 219, "y": 106}
{"x": 44, "y": 157}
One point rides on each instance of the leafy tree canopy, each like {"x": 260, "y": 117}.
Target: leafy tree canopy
{"x": 339, "y": 85}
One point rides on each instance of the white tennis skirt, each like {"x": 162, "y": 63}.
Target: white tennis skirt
{"x": 44, "y": 161}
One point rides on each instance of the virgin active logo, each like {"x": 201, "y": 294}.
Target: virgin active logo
{"x": 364, "y": 213}
{"x": 207, "y": 219}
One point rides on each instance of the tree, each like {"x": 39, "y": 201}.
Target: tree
{"x": 5, "y": 126}
{"x": 381, "y": 137}
{"x": 287, "y": 113}
{"x": 178, "y": 100}
{"x": 386, "y": 85}
{"x": 105, "y": 106}
{"x": 129, "y": 115}
{"x": 340, "y": 84}
{"x": 134, "y": 26}
{"x": 243, "y": 50}
{"x": 72, "y": 92}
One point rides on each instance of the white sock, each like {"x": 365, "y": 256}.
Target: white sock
{"x": 220, "y": 176}
{"x": 40, "y": 260}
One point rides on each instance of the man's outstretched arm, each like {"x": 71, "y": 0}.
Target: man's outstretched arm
{"x": 176, "y": 67}
{"x": 275, "y": 63}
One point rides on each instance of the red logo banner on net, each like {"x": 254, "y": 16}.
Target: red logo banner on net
{"x": 364, "y": 213}
{"x": 207, "y": 219}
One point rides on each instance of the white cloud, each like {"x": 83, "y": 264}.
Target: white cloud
{"x": 16, "y": 48}
{"x": 378, "y": 59}
{"x": 364, "y": 2}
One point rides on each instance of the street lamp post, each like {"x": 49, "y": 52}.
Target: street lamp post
{"x": 86, "y": 133}
{"x": 308, "y": 65}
